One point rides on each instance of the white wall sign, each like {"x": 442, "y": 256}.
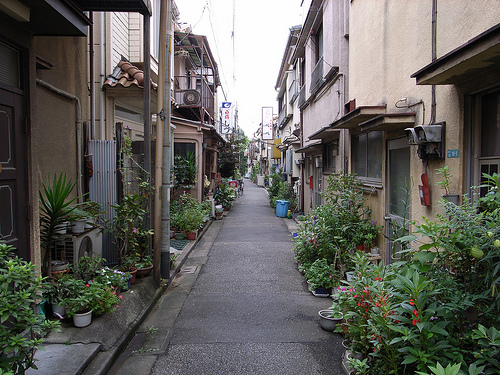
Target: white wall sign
{"x": 267, "y": 122}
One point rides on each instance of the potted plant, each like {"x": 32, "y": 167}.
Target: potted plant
{"x": 56, "y": 292}
{"x": 321, "y": 278}
{"x": 190, "y": 220}
{"x": 329, "y": 318}
{"x": 144, "y": 266}
{"x": 445, "y": 184}
{"x": 79, "y": 303}
{"x": 55, "y": 207}
{"x": 116, "y": 279}
{"x": 94, "y": 213}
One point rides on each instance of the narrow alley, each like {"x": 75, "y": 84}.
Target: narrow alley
{"x": 239, "y": 306}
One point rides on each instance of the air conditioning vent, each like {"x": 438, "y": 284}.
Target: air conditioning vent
{"x": 191, "y": 97}
{"x": 73, "y": 247}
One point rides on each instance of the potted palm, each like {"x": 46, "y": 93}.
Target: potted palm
{"x": 56, "y": 209}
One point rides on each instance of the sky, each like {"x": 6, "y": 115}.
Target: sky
{"x": 261, "y": 30}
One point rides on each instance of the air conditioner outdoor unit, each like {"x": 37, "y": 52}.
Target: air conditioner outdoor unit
{"x": 191, "y": 97}
{"x": 72, "y": 247}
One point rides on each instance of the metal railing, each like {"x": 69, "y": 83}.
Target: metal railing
{"x": 302, "y": 97}
{"x": 317, "y": 78}
{"x": 293, "y": 91}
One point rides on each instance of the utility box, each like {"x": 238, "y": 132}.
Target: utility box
{"x": 282, "y": 208}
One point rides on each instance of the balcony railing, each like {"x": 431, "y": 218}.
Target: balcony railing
{"x": 302, "y": 97}
{"x": 293, "y": 91}
{"x": 282, "y": 115}
{"x": 188, "y": 93}
{"x": 317, "y": 76}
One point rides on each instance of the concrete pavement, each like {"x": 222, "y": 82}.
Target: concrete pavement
{"x": 237, "y": 306}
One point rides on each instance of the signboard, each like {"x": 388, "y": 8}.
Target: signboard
{"x": 227, "y": 122}
{"x": 267, "y": 122}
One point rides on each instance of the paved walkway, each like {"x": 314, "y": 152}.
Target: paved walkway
{"x": 238, "y": 306}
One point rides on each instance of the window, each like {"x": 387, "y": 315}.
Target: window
{"x": 183, "y": 148}
{"x": 367, "y": 155}
{"x": 330, "y": 156}
{"x": 318, "y": 44}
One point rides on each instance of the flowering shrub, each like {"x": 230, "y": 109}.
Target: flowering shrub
{"x": 113, "y": 277}
{"x": 321, "y": 275}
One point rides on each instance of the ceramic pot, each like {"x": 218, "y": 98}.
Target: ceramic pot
{"x": 59, "y": 311}
{"x": 374, "y": 250}
{"x": 349, "y": 275}
{"x": 78, "y": 226}
{"x": 133, "y": 272}
{"x": 327, "y": 322}
{"x": 191, "y": 236}
{"x": 141, "y": 272}
{"x": 82, "y": 320}
{"x": 61, "y": 228}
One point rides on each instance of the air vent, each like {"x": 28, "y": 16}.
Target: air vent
{"x": 191, "y": 97}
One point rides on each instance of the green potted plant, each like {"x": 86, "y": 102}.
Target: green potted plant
{"x": 55, "y": 211}
{"x": 321, "y": 277}
{"x": 144, "y": 265}
{"x": 445, "y": 184}
{"x": 329, "y": 318}
{"x": 94, "y": 213}
{"x": 56, "y": 292}
{"x": 190, "y": 220}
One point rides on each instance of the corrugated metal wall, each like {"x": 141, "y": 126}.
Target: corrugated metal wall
{"x": 104, "y": 190}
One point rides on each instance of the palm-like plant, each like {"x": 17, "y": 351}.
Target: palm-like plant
{"x": 55, "y": 210}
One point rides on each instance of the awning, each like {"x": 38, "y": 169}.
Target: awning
{"x": 313, "y": 148}
{"x": 389, "y": 121}
{"x": 48, "y": 17}
{"x": 326, "y": 133}
{"x": 357, "y": 116}
{"x": 479, "y": 54}
{"x": 141, "y": 6}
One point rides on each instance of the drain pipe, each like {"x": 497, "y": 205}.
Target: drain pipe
{"x": 433, "y": 57}
{"x": 78, "y": 122}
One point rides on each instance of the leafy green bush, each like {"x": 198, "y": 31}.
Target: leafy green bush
{"x": 21, "y": 329}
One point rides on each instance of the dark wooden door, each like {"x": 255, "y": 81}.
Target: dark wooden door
{"x": 13, "y": 173}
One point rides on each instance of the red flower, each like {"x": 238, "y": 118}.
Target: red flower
{"x": 378, "y": 279}
{"x": 416, "y": 313}
{"x": 412, "y": 302}
{"x": 414, "y": 321}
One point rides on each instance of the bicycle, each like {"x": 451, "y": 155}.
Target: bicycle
{"x": 240, "y": 187}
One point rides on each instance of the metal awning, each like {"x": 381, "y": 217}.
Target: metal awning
{"x": 141, "y": 6}
{"x": 325, "y": 133}
{"x": 313, "y": 148}
{"x": 389, "y": 121}
{"x": 357, "y": 116}
{"x": 49, "y": 17}
{"x": 479, "y": 54}
{"x": 198, "y": 49}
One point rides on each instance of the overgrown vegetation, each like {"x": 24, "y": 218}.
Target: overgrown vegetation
{"x": 436, "y": 311}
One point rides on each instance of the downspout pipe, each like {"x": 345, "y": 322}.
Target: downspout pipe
{"x": 78, "y": 122}
{"x": 433, "y": 57}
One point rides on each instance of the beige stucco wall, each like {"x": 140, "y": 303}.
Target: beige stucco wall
{"x": 53, "y": 117}
{"x": 389, "y": 41}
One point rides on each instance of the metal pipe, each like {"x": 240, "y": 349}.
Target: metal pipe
{"x": 102, "y": 101}
{"x": 78, "y": 122}
{"x": 433, "y": 57}
{"x": 147, "y": 117}
{"x": 165, "y": 180}
{"x": 92, "y": 76}
{"x": 160, "y": 119}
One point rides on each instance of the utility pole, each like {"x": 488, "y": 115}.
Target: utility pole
{"x": 161, "y": 259}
